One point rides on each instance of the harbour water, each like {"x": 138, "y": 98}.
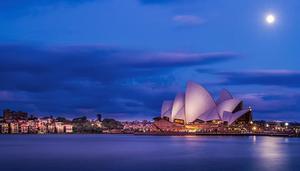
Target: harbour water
{"x": 147, "y": 153}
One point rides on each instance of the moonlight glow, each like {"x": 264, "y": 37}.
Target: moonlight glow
{"x": 270, "y": 18}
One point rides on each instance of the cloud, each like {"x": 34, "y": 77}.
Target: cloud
{"x": 188, "y": 20}
{"x": 122, "y": 83}
{"x": 284, "y": 78}
{"x": 177, "y": 59}
{"x": 274, "y": 105}
{"x": 74, "y": 79}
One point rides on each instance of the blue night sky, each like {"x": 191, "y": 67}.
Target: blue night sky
{"x": 122, "y": 58}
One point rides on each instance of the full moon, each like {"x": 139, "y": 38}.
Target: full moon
{"x": 270, "y": 19}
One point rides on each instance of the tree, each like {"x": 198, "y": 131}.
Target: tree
{"x": 80, "y": 119}
{"x": 112, "y": 124}
{"x": 61, "y": 119}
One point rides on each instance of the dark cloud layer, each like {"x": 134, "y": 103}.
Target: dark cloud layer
{"x": 86, "y": 79}
{"x": 284, "y": 78}
{"x": 277, "y": 94}
{"x": 76, "y": 80}
{"x": 275, "y": 105}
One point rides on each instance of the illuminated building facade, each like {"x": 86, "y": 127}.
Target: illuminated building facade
{"x": 197, "y": 104}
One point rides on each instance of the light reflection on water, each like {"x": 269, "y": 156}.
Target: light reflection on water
{"x": 272, "y": 152}
{"x": 126, "y": 152}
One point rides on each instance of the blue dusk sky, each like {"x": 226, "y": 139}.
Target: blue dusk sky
{"x": 122, "y": 58}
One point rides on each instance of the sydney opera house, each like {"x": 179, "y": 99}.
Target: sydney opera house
{"x": 197, "y": 104}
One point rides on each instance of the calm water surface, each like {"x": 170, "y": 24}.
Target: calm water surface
{"x": 146, "y": 153}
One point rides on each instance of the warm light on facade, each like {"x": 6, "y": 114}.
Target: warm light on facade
{"x": 197, "y": 104}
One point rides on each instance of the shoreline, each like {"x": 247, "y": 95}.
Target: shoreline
{"x": 175, "y": 134}
{"x": 216, "y": 134}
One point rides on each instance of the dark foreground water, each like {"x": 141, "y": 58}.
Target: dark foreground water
{"x": 146, "y": 153}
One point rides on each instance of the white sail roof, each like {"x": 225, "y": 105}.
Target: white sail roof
{"x": 178, "y": 107}
{"x": 166, "y": 108}
{"x": 197, "y": 101}
{"x": 228, "y": 106}
{"x": 210, "y": 115}
{"x": 180, "y": 114}
{"x": 237, "y": 115}
{"x": 231, "y": 117}
{"x": 226, "y": 116}
{"x": 224, "y": 95}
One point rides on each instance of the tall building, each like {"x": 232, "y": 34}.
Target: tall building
{"x": 99, "y": 117}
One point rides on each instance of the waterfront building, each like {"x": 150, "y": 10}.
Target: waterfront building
{"x": 4, "y": 128}
{"x": 32, "y": 126}
{"x": 68, "y": 128}
{"x": 42, "y": 128}
{"x": 166, "y": 126}
{"x": 138, "y": 126}
{"x": 97, "y": 123}
{"x": 24, "y": 128}
{"x": 197, "y": 105}
{"x": 14, "y": 128}
{"x": 59, "y": 127}
{"x": 51, "y": 128}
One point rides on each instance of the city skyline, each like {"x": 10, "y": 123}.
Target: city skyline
{"x": 123, "y": 58}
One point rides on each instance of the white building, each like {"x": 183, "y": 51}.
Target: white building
{"x": 198, "y": 104}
